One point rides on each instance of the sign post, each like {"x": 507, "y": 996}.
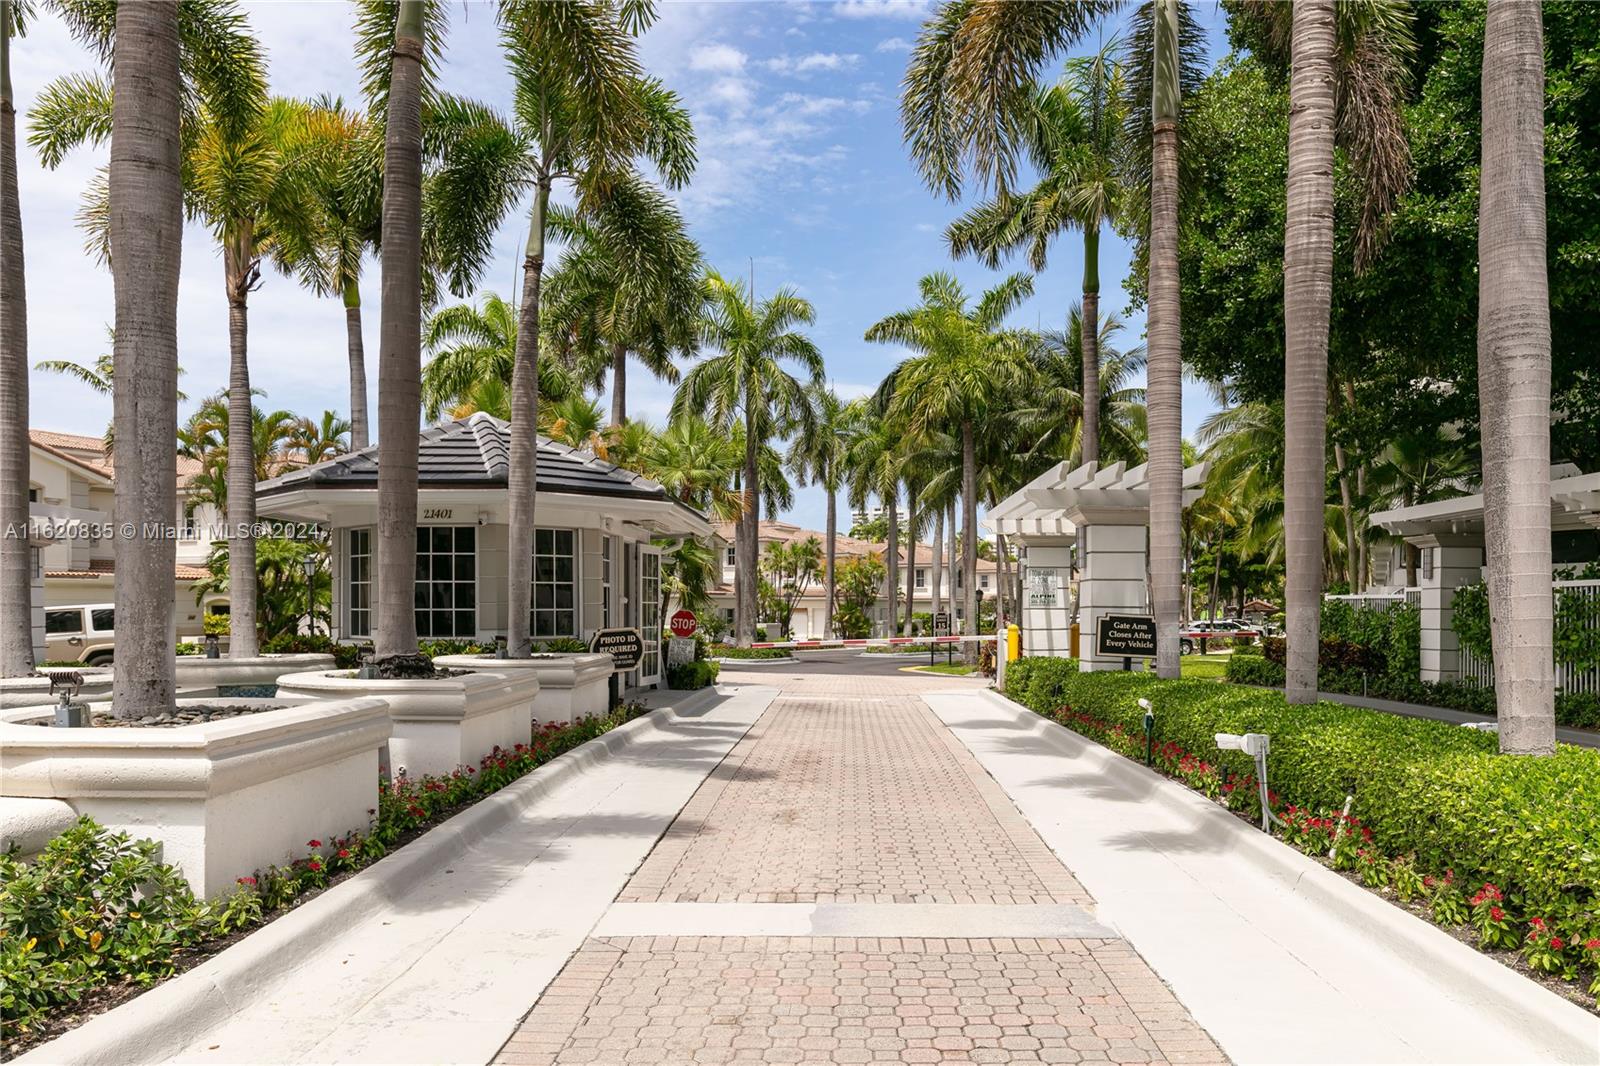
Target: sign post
{"x": 626, "y": 648}
{"x": 941, "y": 628}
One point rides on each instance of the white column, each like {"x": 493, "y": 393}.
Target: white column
{"x": 1111, "y": 581}
{"x": 1457, "y": 561}
{"x": 1046, "y": 601}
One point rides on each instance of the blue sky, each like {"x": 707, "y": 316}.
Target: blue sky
{"x": 802, "y": 176}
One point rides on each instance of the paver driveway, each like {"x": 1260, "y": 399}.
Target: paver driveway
{"x": 851, "y": 808}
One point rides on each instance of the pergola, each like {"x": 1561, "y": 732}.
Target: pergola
{"x": 1105, "y": 512}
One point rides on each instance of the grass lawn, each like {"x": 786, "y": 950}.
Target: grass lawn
{"x": 958, "y": 669}
{"x": 1208, "y": 666}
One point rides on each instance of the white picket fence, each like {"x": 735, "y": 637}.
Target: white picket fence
{"x": 1379, "y": 601}
{"x": 1475, "y": 670}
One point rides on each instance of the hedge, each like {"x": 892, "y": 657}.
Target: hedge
{"x": 1430, "y": 797}
{"x": 692, "y": 675}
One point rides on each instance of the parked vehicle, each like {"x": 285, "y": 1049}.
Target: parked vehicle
{"x": 1205, "y": 628}
{"x": 87, "y": 633}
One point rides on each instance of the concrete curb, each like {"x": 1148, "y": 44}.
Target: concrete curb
{"x": 1496, "y": 990}
{"x": 174, "y": 1015}
{"x": 756, "y": 662}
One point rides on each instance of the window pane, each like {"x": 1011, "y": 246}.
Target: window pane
{"x": 63, "y": 622}
{"x": 564, "y": 596}
{"x": 466, "y": 624}
{"x": 466, "y": 539}
{"x": 441, "y": 594}
{"x": 103, "y": 619}
{"x": 566, "y": 625}
{"x": 464, "y": 567}
{"x": 544, "y": 596}
{"x": 441, "y": 540}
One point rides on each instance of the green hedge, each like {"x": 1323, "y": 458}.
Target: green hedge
{"x": 692, "y": 675}
{"x": 1437, "y": 798}
{"x": 730, "y": 651}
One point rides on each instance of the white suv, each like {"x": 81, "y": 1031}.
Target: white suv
{"x": 87, "y": 633}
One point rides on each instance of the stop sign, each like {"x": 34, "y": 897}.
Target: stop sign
{"x": 683, "y": 624}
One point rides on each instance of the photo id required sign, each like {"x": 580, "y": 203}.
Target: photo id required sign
{"x": 625, "y": 647}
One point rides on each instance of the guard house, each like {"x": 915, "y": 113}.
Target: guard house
{"x": 1091, "y": 521}
{"x": 1449, "y": 537}
{"x": 594, "y": 564}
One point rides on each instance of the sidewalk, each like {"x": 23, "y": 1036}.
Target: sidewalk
{"x": 1280, "y": 959}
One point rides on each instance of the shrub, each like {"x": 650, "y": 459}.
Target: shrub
{"x": 214, "y": 625}
{"x": 1253, "y": 670}
{"x": 345, "y": 656}
{"x": 692, "y": 675}
{"x": 435, "y": 648}
{"x": 1434, "y": 792}
{"x": 563, "y": 645}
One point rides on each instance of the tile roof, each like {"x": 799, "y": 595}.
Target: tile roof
{"x": 107, "y": 568}
{"x": 90, "y": 452}
{"x": 475, "y": 452}
{"x": 844, "y": 546}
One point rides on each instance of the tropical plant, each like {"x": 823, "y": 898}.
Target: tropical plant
{"x": 16, "y": 592}
{"x": 1051, "y": 413}
{"x": 1514, "y": 377}
{"x": 1074, "y": 135}
{"x": 745, "y": 388}
{"x": 874, "y": 461}
{"x": 286, "y": 598}
{"x": 817, "y": 454}
{"x": 857, "y": 589}
{"x": 692, "y": 461}
{"x": 318, "y": 440}
{"x": 789, "y": 570}
{"x": 587, "y": 113}
{"x": 967, "y": 366}
{"x": 576, "y": 422}
{"x": 1346, "y": 84}
{"x": 471, "y": 350}
{"x": 626, "y": 284}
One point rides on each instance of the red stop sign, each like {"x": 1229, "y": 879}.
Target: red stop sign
{"x": 683, "y": 624}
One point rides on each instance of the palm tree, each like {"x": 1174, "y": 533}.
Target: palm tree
{"x": 873, "y": 463}
{"x": 1514, "y": 376}
{"x": 1074, "y": 134}
{"x": 400, "y": 342}
{"x": 746, "y": 382}
{"x": 146, "y": 194}
{"x": 586, "y": 112}
{"x": 471, "y": 353}
{"x": 577, "y": 422}
{"x": 818, "y": 456}
{"x": 964, "y": 92}
{"x": 626, "y": 284}
{"x": 1346, "y": 84}
{"x": 691, "y": 460}
{"x": 318, "y": 440}
{"x": 966, "y": 364}
{"x": 1052, "y": 412}
{"x": 16, "y": 589}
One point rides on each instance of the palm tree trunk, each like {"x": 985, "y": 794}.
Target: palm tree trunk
{"x": 831, "y": 580}
{"x": 146, "y": 200}
{"x": 619, "y": 383}
{"x": 1307, "y": 295}
{"x": 400, "y": 343}
{"x": 969, "y": 538}
{"x": 1361, "y": 494}
{"x": 1514, "y": 376}
{"x": 1164, "y": 373}
{"x": 522, "y": 475}
{"x": 1090, "y": 447}
{"x": 938, "y": 558}
{"x": 356, "y": 348}
{"x": 16, "y": 571}
{"x": 951, "y": 566}
{"x": 891, "y": 577}
{"x": 747, "y": 555}
{"x": 240, "y": 269}
{"x": 911, "y": 556}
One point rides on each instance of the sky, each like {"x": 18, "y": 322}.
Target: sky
{"x": 802, "y": 179}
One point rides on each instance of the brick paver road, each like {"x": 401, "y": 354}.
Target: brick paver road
{"x": 850, "y": 791}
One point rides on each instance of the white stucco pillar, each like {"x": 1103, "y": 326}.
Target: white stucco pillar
{"x": 1111, "y": 580}
{"x": 1457, "y": 561}
{"x": 1046, "y": 598}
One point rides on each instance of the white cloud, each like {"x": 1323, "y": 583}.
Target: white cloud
{"x": 893, "y": 44}
{"x": 787, "y": 64}
{"x": 737, "y": 94}
{"x": 890, "y": 9}
{"x": 804, "y": 106}
{"x": 720, "y": 58}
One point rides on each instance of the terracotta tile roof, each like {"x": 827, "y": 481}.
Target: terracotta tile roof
{"x": 90, "y": 452}
{"x": 107, "y": 568}
{"x": 845, "y": 546}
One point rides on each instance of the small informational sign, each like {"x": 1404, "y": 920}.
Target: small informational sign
{"x": 680, "y": 651}
{"x": 1044, "y": 586}
{"x": 683, "y": 624}
{"x": 625, "y": 647}
{"x": 1125, "y": 635}
{"x": 941, "y": 624}
{"x": 437, "y": 514}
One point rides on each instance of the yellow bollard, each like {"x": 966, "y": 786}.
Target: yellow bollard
{"x": 1013, "y": 642}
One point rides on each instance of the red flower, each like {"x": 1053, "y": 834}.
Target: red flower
{"x": 1537, "y": 923}
{"x": 344, "y": 853}
{"x": 1592, "y": 944}
{"x": 313, "y": 843}
{"x": 247, "y": 880}
{"x": 1557, "y": 943}
{"x": 1496, "y": 913}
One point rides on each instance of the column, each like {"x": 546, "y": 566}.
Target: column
{"x": 1046, "y": 601}
{"x": 1457, "y": 561}
{"x": 1111, "y": 581}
